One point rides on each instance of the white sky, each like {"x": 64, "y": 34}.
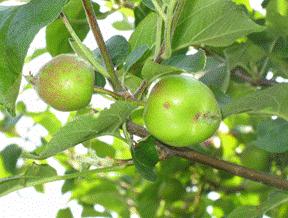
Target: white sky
{"x": 28, "y": 203}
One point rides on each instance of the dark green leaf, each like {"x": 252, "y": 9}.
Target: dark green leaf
{"x": 216, "y": 76}
{"x": 145, "y": 157}
{"x": 18, "y": 26}
{"x": 140, "y": 12}
{"x": 272, "y": 135}
{"x": 118, "y": 48}
{"x": 190, "y": 63}
{"x": 149, "y": 4}
{"x": 10, "y": 156}
{"x": 135, "y": 56}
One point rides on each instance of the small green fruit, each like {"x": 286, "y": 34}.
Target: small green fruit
{"x": 255, "y": 158}
{"x": 181, "y": 111}
{"x": 171, "y": 190}
{"x": 65, "y": 83}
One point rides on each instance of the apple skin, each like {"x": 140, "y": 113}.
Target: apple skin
{"x": 181, "y": 111}
{"x": 66, "y": 83}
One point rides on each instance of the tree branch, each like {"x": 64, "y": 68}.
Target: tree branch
{"x": 168, "y": 151}
{"x": 124, "y": 96}
{"x": 92, "y": 20}
{"x": 241, "y": 74}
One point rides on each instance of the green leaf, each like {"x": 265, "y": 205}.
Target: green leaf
{"x": 89, "y": 211}
{"x": 272, "y": 135}
{"x": 36, "y": 54}
{"x": 272, "y": 101}
{"x": 103, "y": 192}
{"x": 274, "y": 200}
{"x": 57, "y": 34}
{"x": 123, "y": 25}
{"x": 216, "y": 76}
{"x": 18, "y": 26}
{"x": 118, "y": 48}
{"x": 213, "y": 23}
{"x": 48, "y": 120}
{"x": 152, "y": 70}
{"x": 40, "y": 174}
{"x": 35, "y": 175}
{"x": 102, "y": 149}
{"x": 86, "y": 127}
{"x": 276, "y": 19}
{"x": 148, "y": 201}
{"x": 65, "y": 213}
{"x": 149, "y": 4}
{"x": 190, "y": 63}
{"x": 140, "y": 12}
{"x": 9, "y": 156}
{"x": 145, "y": 32}
{"x": 245, "y": 55}
{"x": 145, "y": 158}
{"x": 135, "y": 56}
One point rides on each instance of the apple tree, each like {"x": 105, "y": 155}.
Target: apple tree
{"x": 198, "y": 106}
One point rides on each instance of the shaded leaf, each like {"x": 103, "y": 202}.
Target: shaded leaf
{"x": 274, "y": 200}
{"x": 272, "y": 135}
{"x": 216, "y": 76}
{"x": 145, "y": 157}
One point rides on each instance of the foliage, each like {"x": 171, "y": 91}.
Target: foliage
{"x": 239, "y": 53}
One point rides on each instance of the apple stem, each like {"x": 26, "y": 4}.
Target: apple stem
{"x": 92, "y": 20}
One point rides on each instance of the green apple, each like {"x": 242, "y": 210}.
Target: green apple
{"x": 181, "y": 111}
{"x": 66, "y": 83}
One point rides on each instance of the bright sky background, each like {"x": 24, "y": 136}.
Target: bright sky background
{"x": 28, "y": 203}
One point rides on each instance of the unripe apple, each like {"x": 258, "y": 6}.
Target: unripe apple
{"x": 181, "y": 111}
{"x": 65, "y": 83}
